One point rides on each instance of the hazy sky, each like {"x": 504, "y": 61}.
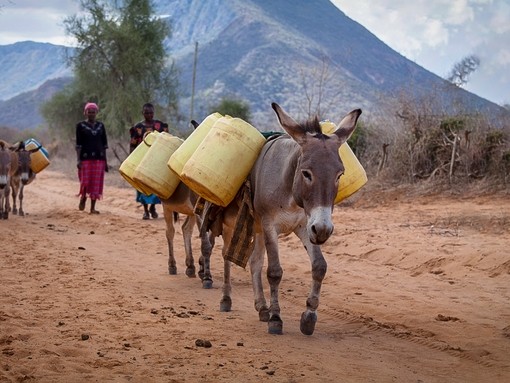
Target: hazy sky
{"x": 435, "y": 34}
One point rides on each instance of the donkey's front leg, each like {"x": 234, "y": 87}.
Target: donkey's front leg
{"x": 14, "y": 193}
{"x": 256, "y": 265}
{"x": 319, "y": 268}
{"x": 274, "y": 277}
{"x": 207, "y": 241}
{"x": 21, "y": 196}
{"x": 226, "y": 299}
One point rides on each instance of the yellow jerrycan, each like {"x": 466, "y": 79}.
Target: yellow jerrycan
{"x": 129, "y": 165}
{"x": 221, "y": 163}
{"x": 354, "y": 176}
{"x": 39, "y": 159}
{"x": 184, "y": 152}
{"x": 152, "y": 173}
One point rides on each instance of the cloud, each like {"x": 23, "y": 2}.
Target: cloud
{"x": 35, "y": 20}
{"x": 459, "y": 12}
{"x": 437, "y": 34}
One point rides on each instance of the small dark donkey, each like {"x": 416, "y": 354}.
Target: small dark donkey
{"x": 22, "y": 176}
{"x": 6, "y": 171}
{"x": 15, "y": 173}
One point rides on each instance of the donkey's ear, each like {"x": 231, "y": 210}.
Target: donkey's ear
{"x": 295, "y": 130}
{"x": 20, "y": 146}
{"x": 194, "y": 124}
{"x": 347, "y": 125}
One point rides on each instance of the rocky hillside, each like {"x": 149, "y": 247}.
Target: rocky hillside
{"x": 260, "y": 51}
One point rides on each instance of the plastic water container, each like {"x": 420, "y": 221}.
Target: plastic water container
{"x": 153, "y": 173}
{"x": 39, "y": 159}
{"x": 354, "y": 176}
{"x": 218, "y": 167}
{"x": 129, "y": 165}
{"x": 184, "y": 152}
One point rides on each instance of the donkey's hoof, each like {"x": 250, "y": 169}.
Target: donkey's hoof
{"x": 190, "y": 272}
{"x": 275, "y": 325}
{"x": 201, "y": 274}
{"x": 15, "y": 211}
{"x": 21, "y": 213}
{"x": 207, "y": 283}
{"x": 264, "y": 314}
{"x": 172, "y": 270}
{"x": 308, "y": 320}
{"x": 225, "y": 304}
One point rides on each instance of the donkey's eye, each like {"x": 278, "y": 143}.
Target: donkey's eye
{"x": 338, "y": 177}
{"x": 307, "y": 174}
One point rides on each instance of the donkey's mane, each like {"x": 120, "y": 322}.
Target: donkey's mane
{"x": 313, "y": 126}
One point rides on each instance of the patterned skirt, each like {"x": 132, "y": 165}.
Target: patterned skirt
{"x": 91, "y": 176}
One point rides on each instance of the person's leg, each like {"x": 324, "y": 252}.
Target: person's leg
{"x": 153, "y": 212}
{"x": 145, "y": 211}
{"x": 83, "y": 200}
{"x": 93, "y": 207}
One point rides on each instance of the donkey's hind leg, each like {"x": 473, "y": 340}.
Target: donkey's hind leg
{"x": 170, "y": 233}
{"x": 15, "y": 182}
{"x": 187, "y": 232}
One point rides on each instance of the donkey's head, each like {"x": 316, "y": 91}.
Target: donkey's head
{"x": 5, "y": 164}
{"x": 318, "y": 170}
{"x": 25, "y": 161}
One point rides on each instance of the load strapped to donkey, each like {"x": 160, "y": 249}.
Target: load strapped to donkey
{"x": 252, "y": 187}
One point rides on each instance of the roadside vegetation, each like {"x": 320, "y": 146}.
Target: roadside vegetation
{"x": 121, "y": 64}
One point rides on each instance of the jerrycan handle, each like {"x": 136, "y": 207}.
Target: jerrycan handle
{"x": 148, "y": 139}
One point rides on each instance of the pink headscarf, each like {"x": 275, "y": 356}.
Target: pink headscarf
{"x": 90, "y": 105}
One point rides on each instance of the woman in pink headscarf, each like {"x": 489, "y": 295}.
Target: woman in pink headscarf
{"x": 91, "y": 145}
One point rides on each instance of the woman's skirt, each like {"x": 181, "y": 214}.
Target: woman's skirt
{"x": 91, "y": 176}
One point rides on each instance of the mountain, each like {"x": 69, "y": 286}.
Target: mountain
{"x": 28, "y": 65}
{"x": 261, "y": 51}
{"x": 23, "y": 110}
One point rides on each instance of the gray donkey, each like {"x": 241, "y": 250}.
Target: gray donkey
{"x": 293, "y": 187}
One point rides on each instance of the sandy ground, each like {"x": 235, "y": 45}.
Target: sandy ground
{"x": 416, "y": 291}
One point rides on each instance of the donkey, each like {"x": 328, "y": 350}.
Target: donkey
{"x": 182, "y": 201}
{"x": 22, "y": 176}
{"x": 8, "y": 162}
{"x": 293, "y": 187}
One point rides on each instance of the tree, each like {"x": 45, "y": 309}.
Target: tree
{"x": 320, "y": 90}
{"x": 233, "y": 108}
{"x": 63, "y": 110}
{"x": 459, "y": 75}
{"x": 120, "y": 63}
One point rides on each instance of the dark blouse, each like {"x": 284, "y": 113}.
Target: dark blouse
{"x": 138, "y": 131}
{"x": 91, "y": 140}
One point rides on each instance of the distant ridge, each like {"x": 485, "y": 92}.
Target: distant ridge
{"x": 260, "y": 51}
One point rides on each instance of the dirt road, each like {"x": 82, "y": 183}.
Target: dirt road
{"x": 416, "y": 291}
